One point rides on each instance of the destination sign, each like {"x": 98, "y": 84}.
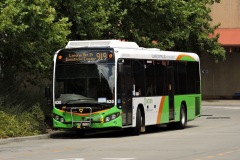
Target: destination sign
{"x": 85, "y": 56}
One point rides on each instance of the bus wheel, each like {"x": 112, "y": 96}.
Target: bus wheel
{"x": 183, "y": 119}
{"x": 137, "y": 129}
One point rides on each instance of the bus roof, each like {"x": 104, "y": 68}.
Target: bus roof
{"x": 102, "y": 43}
{"x": 156, "y": 55}
{"x": 132, "y": 50}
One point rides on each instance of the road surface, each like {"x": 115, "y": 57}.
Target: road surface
{"x": 213, "y": 136}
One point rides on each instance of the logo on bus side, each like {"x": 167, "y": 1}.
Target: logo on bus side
{"x": 147, "y": 101}
{"x": 162, "y": 56}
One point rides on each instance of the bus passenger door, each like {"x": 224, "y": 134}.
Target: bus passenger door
{"x": 170, "y": 80}
{"x": 125, "y": 88}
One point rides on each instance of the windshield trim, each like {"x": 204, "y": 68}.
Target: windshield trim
{"x": 106, "y": 70}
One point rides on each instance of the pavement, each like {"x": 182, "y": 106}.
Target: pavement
{"x": 45, "y": 136}
{"x": 221, "y": 102}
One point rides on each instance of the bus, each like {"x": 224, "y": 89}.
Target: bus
{"x": 112, "y": 84}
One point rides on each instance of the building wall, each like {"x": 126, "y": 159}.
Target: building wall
{"x": 227, "y": 13}
{"x": 222, "y": 79}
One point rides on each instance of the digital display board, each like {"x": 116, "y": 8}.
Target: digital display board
{"x": 85, "y": 56}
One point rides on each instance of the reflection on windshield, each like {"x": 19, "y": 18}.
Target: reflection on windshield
{"x": 108, "y": 73}
{"x": 92, "y": 81}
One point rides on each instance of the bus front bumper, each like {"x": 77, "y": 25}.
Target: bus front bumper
{"x": 88, "y": 125}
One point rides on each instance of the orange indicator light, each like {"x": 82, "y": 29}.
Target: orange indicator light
{"x": 110, "y": 55}
{"x": 60, "y": 57}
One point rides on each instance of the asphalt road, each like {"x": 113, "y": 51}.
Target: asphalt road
{"x": 214, "y": 136}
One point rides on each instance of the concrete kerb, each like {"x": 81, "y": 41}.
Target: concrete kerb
{"x": 51, "y": 134}
{"x": 19, "y": 139}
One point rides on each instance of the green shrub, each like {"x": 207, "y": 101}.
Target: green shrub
{"x": 22, "y": 124}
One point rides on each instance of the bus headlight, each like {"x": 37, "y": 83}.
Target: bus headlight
{"x": 56, "y": 117}
{"x": 111, "y": 117}
{"x": 59, "y": 118}
{"x": 114, "y": 116}
{"x": 107, "y": 119}
{"x": 62, "y": 119}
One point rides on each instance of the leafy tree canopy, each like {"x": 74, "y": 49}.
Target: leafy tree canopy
{"x": 92, "y": 19}
{"x": 181, "y": 25}
{"x": 29, "y": 34}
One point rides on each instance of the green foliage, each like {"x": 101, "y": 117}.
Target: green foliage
{"x": 19, "y": 124}
{"x": 92, "y": 19}
{"x": 181, "y": 25}
{"x": 30, "y": 34}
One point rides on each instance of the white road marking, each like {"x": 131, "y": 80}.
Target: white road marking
{"x": 119, "y": 158}
{"x": 102, "y": 158}
{"x": 71, "y": 159}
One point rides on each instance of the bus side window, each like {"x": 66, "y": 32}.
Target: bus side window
{"x": 138, "y": 75}
{"x": 150, "y": 78}
{"x": 182, "y": 77}
{"x": 193, "y": 79}
{"x": 160, "y": 78}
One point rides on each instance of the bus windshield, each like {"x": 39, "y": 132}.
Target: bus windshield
{"x": 84, "y": 83}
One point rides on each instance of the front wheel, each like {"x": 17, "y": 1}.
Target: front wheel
{"x": 136, "y": 130}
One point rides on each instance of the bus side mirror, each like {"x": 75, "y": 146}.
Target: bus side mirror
{"x": 120, "y": 65}
{"x": 48, "y": 95}
{"x": 47, "y": 92}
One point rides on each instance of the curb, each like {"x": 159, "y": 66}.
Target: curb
{"x": 52, "y": 134}
{"x": 20, "y": 139}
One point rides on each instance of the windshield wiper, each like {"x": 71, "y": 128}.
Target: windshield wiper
{"x": 85, "y": 100}
{"x": 72, "y": 100}
{"x": 67, "y": 98}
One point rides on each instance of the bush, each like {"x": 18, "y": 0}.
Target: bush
{"x": 26, "y": 123}
{"x": 23, "y": 106}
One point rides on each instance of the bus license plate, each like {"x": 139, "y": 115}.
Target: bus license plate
{"x": 85, "y": 124}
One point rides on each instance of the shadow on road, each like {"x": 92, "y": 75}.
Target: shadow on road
{"x": 112, "y": 133}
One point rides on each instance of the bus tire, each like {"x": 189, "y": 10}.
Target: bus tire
{"x": 136, "y": 130}
{"x": 183, "y": 118}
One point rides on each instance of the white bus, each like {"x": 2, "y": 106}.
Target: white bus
{"x": 101, "y": 84}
